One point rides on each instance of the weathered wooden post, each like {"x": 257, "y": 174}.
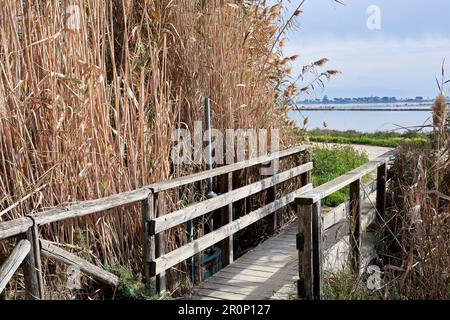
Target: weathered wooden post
{"x": 381, "y": 191}
{"x": 160, "y": 241}
{"x": 154, "y": 245}
{"x": 271, "y": 193}
{"x": 34, "y": 283}
{"x": 149, "y": 247}
{"x": 12, "y": 263}
{"x": 317, "y": 228}
{"x": 309, "y": 246}
{"x": 305, "y": 252}
{"x": 226, "y": 185}
{"x": 355, "y": 225}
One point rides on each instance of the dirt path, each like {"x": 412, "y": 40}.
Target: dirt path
{"x": 372, "y": 151}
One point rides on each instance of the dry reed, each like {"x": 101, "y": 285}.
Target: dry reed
{"x": 416, "y": 232}
{"x": 88, "y": 110}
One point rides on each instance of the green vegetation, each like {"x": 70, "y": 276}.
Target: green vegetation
{"x": 382, "y": 139}
{"x": 131, "y": 286}
{"x": 346, "y": 286}
{"x": 330, "y": 163}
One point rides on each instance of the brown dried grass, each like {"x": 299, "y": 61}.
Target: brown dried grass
{"x": 416, "y": 232}
{"x": 88, "y": 113}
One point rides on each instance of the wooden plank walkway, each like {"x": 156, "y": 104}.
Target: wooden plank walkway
{"x": 270, "y": 271}
{"x": 267, "y": 272}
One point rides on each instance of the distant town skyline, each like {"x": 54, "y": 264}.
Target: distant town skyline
{"x": 371, "y": 99}
{"x": 401, "y": 58}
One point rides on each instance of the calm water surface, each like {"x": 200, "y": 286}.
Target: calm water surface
{"x": 365, "y": 121}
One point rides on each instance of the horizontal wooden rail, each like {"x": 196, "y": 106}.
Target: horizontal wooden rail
{"x": 15, "y": 227}
{"x": 176, "y": 256}
{"x": 21, "y": 225}
{"x": 170, "y": 184}
{"x": 178, "y": 217}
{"x": 341, "y": 212}
{"x": 13, "y": 262}
{"x": 155, "y": 221}
{"x": 54, "y": 252}
{"x": 337, "y": 184}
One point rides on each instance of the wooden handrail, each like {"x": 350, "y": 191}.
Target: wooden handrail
{"x": 312, "y": 223}
{"x": 345, "y": 180}
{"x": 13, "y": 262}
{"x": 191, "y": 212}
{"x": 180, "y": 254}
{"x": 54, "y": 252}
{"x": 340, "y": 212}
{"x": 178, "y": 182}
{"x": 19, "y": 226}
{"x": 14, "y": 227}
{"x": 155, "y": 222}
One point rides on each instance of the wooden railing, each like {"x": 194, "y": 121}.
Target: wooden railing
{"x": 312, "y": 223}
{"x": 155, "y": 222}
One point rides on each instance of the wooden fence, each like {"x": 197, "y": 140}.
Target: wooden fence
{"x": 155, "y": 221}
{"x": 312, "y": 223}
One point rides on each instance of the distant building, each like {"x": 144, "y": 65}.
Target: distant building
{"x": 363, "y": 100}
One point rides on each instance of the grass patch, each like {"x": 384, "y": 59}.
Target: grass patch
{"x": 330, "y": 163}
{"x": 381, "y": 139}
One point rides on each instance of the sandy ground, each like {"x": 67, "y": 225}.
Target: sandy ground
{"x": 372, "y": 151}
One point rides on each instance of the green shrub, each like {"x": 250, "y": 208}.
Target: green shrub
{"x": 332, "y": 162}
{"x": 131, "y": 286}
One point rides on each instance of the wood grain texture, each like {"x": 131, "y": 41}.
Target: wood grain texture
{"x": 317, "y": 238}
{"x": 14, "y": 227}
{"x": 34, "y": 283}
{"x": 382, "y": 173}
{"x": 91, "y": 207}
{"x": 148, "y": 213}
{"x": 248, "y": 279}
{"x": 54, "y": 252}
{"x": 305, "y": 251}
{"x": 270, "y": 271}
{"x": 13, "y": 262}
{"x": 226, "y": 216}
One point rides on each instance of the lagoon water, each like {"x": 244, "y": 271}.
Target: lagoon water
{"x": 365, "y": 121}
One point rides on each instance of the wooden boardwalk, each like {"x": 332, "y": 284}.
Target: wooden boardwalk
{"x": 269, "y": 271}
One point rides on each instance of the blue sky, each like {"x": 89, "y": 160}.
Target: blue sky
{"x": 401, "y": 59}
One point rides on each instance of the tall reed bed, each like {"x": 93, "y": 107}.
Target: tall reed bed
{"x": 90, "y": 92}
{"x": 416, "y": 231}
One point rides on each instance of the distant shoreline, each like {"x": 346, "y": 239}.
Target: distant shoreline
{"x": 368, "y": 108}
